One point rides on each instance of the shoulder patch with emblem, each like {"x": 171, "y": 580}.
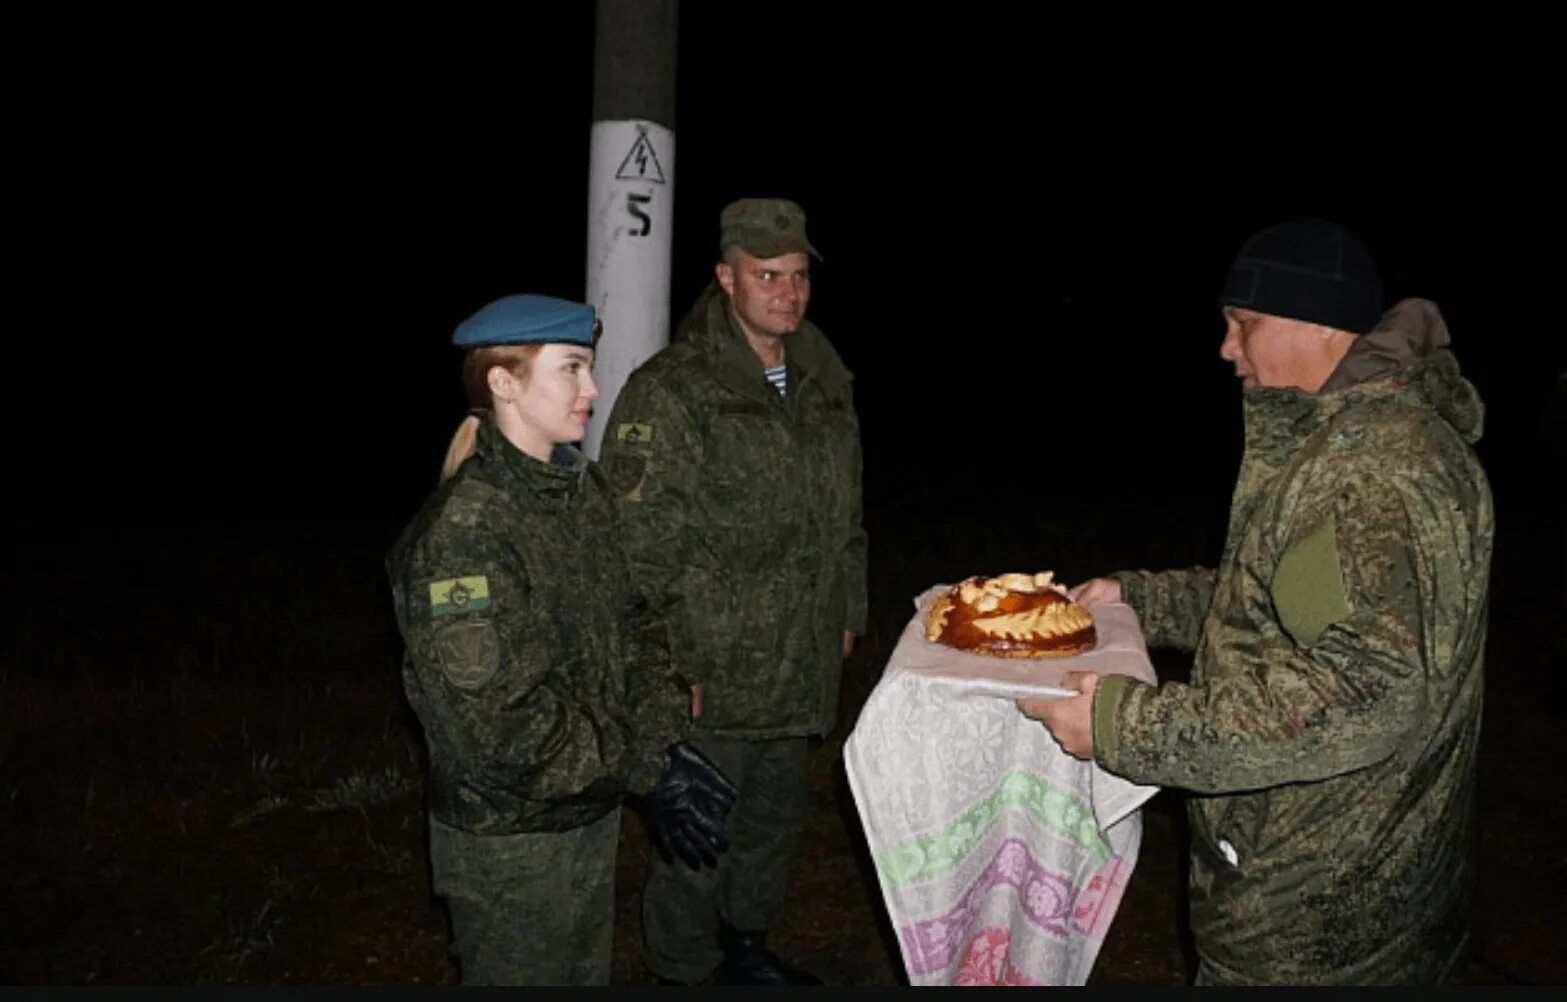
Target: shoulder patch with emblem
{"x": 1308, "y": 587}
{"x": 625, "y": 474}
{"x": 470, "y": 652}
{"x": 633, "y": 433}
{"x": 469, "y": 594}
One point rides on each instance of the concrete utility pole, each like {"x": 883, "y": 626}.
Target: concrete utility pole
{"x": 631, "y": 188}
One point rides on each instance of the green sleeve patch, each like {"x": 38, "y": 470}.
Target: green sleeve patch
{"x": 625, "y": 474}
{"x": 632, "y": 433}
{"x": 1308, "y": 587}
{"x": 470, "y": 653}
{"x": 453, "y": 595}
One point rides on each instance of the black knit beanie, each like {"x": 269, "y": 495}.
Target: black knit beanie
{"x": 1309, "y": 270}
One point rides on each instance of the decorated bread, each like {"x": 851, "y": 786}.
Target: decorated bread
{"x": 1011, "y": 616}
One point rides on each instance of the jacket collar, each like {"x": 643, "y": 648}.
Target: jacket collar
{"x": 808, "y": 354}
{"x": 1405, "y": 359}
{"x": 531, "y": 483}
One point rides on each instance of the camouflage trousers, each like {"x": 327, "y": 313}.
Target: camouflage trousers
{"x": 536, "y": 908}
{"x": 681, "y": 907}
{"x": 1442, "y": 974}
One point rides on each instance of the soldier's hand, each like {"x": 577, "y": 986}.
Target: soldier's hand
{"x": 1070, "y": 719}
{"x": 848, "y": 642}
{"x": 1095, "y": 590}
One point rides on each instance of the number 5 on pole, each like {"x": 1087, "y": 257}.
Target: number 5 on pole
{"x": 634, "y": 203}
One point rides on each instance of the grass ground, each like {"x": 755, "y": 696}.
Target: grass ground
{"x": 208, "y": 775}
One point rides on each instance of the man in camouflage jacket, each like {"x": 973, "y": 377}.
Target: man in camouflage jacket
{"x": 1330, "y": 728}
{"x": 739, "y": 502}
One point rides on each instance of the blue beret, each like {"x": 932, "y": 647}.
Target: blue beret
{"x": 527, "y": 319}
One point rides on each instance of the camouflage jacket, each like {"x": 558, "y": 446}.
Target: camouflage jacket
{"x": 1332, "y": 720}
{"x": 740, "y": 509}
{"x": 541, "y": 679}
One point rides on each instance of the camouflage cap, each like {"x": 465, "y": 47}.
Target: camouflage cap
{"x": 764, "y": 227}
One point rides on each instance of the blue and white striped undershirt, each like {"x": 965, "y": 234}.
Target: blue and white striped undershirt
{"x": 776, "y": 377}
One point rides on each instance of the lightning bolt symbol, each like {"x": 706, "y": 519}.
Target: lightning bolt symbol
{"x": 641, "y": 155}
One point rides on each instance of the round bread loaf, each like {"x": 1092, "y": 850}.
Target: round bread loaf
{"x": 1011, "y": 616}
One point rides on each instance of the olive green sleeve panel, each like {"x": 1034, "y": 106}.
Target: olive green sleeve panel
{"x": 1107, "y": 698}
{"x": 1308, "y": 589}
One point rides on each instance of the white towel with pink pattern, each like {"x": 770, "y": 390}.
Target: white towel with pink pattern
{"x": 1001, "y": 859}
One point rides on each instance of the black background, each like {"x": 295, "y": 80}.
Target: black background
{"x": 240, "y": 242}
{"x": 249, "y": 247}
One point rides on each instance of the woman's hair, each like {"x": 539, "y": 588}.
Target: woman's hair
{"x": 476, "y": 365}
{"x": 516, "y": 359}
{"x": 460, "y": 447}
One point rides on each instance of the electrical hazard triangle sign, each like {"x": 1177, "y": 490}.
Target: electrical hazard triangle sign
{"x": 641, "y": 163}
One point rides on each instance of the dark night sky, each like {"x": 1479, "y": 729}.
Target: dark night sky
{"x": 241, "y": 237}
{"x": 268, "y": 244}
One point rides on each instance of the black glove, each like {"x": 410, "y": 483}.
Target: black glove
{"x": 688, "y": 806}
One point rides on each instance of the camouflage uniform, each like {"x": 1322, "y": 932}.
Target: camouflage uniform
{"x": 543, "y": 686}
{"x": 1331, "y": 724}
{"x": 740, "y": 510}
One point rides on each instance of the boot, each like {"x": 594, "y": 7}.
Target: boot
{"x": 748, "y": 961}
